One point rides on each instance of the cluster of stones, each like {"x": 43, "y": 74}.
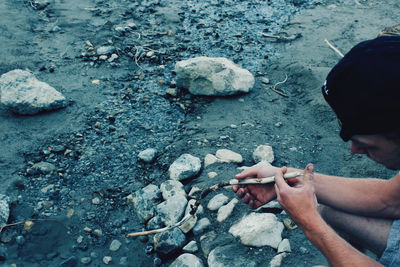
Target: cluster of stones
{"x": 167, "y": 204}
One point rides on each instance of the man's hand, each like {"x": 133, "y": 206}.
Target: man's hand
{"x": 299, "y": 201}
{"x": 256, "y": 195}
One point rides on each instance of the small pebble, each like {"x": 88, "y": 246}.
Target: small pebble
{"x": 86, "y": 260}
{"x": 96, "y": 201}
{"x": 115, "y": 245}
{"x": 107, "y": 259}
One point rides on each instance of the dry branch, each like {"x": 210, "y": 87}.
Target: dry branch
{"x": 334, "y": 48}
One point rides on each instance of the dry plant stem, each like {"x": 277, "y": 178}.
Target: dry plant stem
{"x": 334, "y": 48}
{"x": 278, "y": 83}
{"x": 282, "y": 38}
{"x": 357, "y": 2}
{"x": 265, "y": 180}
{"x": 32, "y": 220}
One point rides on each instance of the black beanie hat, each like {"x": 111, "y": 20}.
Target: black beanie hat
{"x": 364, "y": 88}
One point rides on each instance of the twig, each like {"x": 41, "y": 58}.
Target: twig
{"x": 334, "y": 48}
{"x": 278, "y": 83}
{"x": 31, "y": 220}
{"x": 357, "y": 2}
{"x": 282, "y": 38}
{"x": 265, "y": 180}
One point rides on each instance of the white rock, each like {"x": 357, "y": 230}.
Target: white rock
{"x": 210, "y": 159}
{"x": 263, "y": 153}
{"x": 194, "y": 190}
{"x": 226, "y": 155}
{"x": 104, "y": 50}
{"x": 217, "y": 201}
{"x": 148, "y": 155}
{"x": 187, "y": 260}
{"x": 186, "y": 166}
{"x": 226, "y": 210}
{"x": 212, "y": 174}
{"x": 171, "y": 211}
{"x": 23, "y": 94}
{"x": 258, "y": 230}
{"x": 107, "y": 259}
{"x": 171, "y": 188}
{"x": 115, "y": 245}
{"x": 191, "y": 247}
{"x": 284, "y": 246}
{"x": 277, "y": 260}
{"x": 273, "y": 204}
{"x": 213, "y": 76}
{"x": 4, "y": 209}
{"x": 201, "y": 225}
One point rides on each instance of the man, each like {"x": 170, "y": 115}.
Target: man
{"x": 363, "y": 89}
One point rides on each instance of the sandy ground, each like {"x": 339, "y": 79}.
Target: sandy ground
{"x": 134, "y": 112}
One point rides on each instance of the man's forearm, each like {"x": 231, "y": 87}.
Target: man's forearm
{"x": 336, "y": 250}
{"x": 372, "y": 197}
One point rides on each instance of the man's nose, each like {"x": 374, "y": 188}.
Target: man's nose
{"x": 356, "y": 149}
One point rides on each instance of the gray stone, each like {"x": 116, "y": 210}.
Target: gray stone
{"x": 213, "y": 76}
{"x": 277, "y": 260}
{"x": 226, "y": 210}
{"x": 258, "y": 230}
{"x": 107, "y": 259}
{"x": 191, "y": 247}
{"x": 4, "y": 209}
{"x": 86, "y": 260}
{"x": 169, "y": 241}
{"x": 105, "y": 50}
{"x": 171, "y": 188}
{"x": 23, "y": 94}
{"x": 155, "y": 223}
{"x": 186, "y": 166}
{"x": 115, "y": 245}
{"x": 201, "y": 226}
{"x": 148, "y": 155}
{"x": 284, "y": 246}
{"x": 187, "y": 260}
{"x": 171, "y": 211}
{"x": 221, "y": 256}
{"x": 211, "y": 240}
{"x": 217, "y": 201}
{"x": 228, "y": 156}
{"x": 44, "y": 167}
{"x": 263, "y": 153}
{"x": 123, "y": 261}
{"x": 144, "y": 201}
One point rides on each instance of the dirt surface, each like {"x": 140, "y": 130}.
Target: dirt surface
{"x": 119, "y": 108}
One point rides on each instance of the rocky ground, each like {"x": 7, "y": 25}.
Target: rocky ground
{"x": 114, "y": 61}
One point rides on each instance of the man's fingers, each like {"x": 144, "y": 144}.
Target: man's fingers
{"x": 251, "y": 172}
{"x": 279, "y": 181}
{"x": 308, "y": 176}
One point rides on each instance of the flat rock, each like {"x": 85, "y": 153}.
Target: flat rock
{"x": 213, "y": 76}
{"x": 169, "y": 241}
{"x": 171, "y": 211}
{"x": 23, "y": 94}
{"x": 217, "y": 201}
{"x": 263, "y": 153}
{"x": 212, "y": 240}
{"x": 186, "y": 166}
{"x": 226, "y": 155}
{"x": 210, "y": 159}
{"x": 171, "y": 188}
{"x": 115, "y": 245}
{"x": 4, "y": 209}
{"x": 201, "y": 226}
{"x": 187, "y": 260}
{"x": 191, "y": 247}
{"x": 277, "y": 260}
{"x": 44, "y": 167}
{"x": 105, "y": 50}
{"x": 258, "y": 230}
{"x": 284, "y": 246}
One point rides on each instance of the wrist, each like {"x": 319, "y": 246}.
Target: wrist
{"x": 314, "y": 226}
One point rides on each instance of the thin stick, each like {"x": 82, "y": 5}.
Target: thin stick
{"x": 265, "y": 180}
{"x": 278, "y": 83}
{"x": 31, "y": 220}
{"x": 357, "y": 2}
{"x": 334, "y": 48}
{"x": 282, "y": 38}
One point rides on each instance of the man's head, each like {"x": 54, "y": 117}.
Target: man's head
{"x": 364, "y": 91}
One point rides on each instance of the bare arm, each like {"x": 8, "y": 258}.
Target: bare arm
{"x": 372, "y": 197}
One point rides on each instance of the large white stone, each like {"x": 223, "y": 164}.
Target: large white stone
{"x": 226, "y": 155}
{"x": 171, "y": 211}
{"x": 187, "y": 260}
{"x": 186, "y": 166}
{"x": 213, "y": 76}
{"x": 258, "y": 230}
{"x": 23, "y": 94}
{"x": 263, "y": 153}
{"x": 277, "y": 260}
{"x": 171, "y": 188}
{"x": 217, "y": 201}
